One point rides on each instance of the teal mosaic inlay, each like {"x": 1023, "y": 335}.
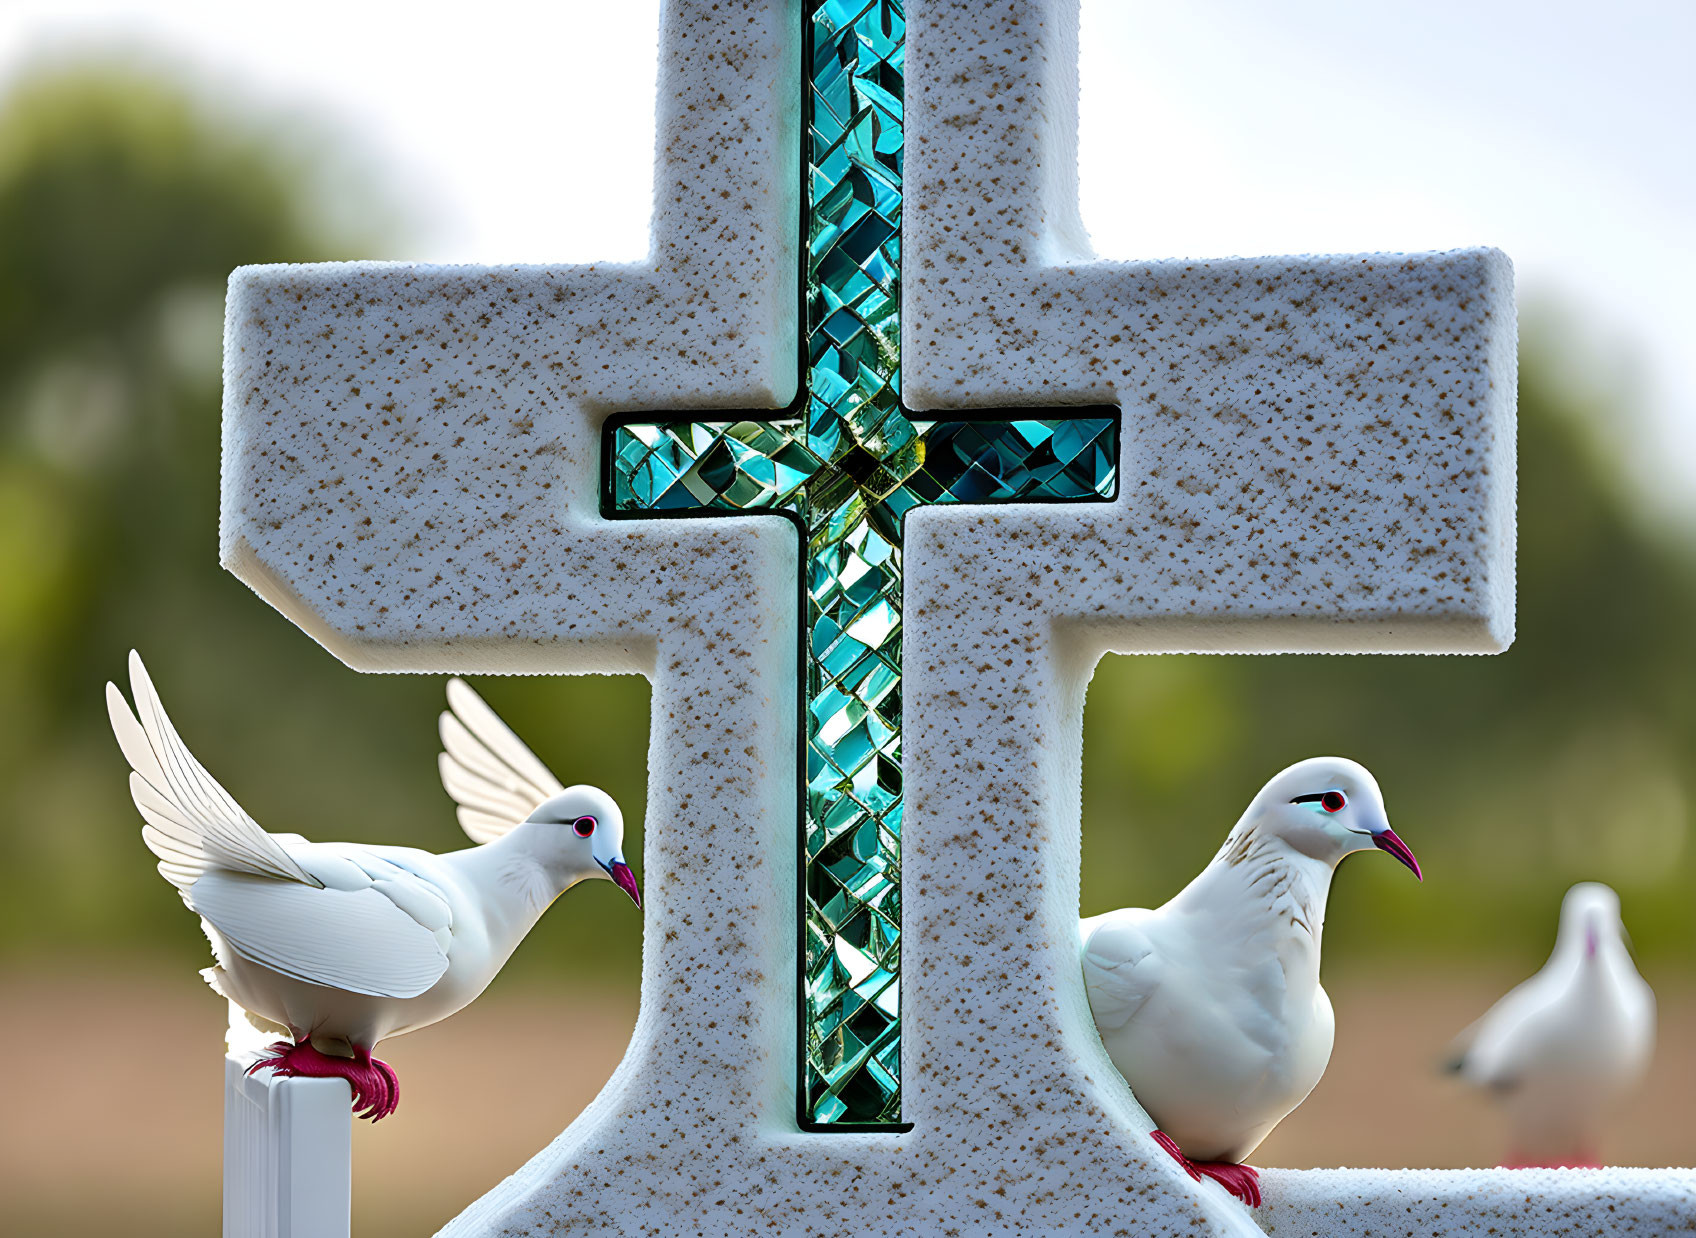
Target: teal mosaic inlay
{"x": 848, "y": 465}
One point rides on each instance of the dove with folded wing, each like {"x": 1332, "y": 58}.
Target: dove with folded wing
{"x": 1210, "y": 1005}
{"x": 340, "y": 946}
{"x": 1562, "y": 1049}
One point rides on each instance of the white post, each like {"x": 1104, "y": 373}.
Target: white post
{"x": 288, "y": 1154}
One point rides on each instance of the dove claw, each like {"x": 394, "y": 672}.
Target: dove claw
{"x": 375, "y": 1087}
{"x": 1176, "y": 1153}
{"x": 1242, "y": 1181}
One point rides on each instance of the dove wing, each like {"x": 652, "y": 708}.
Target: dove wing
{"x": 1121, "y": 969}
{"x": 192, "y": 824}
{"x": 1490, "y": 1052}
{"x": 496, "y": 781}
{"x": 372, "y": 928}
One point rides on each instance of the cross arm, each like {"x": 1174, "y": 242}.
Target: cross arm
{"x": 1318, "y": 453}
{"x": 410, "y": 454}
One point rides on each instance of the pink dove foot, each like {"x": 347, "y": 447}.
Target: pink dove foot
{"x": 1243, "y": 1181}
{"x": 376, "y": 1089}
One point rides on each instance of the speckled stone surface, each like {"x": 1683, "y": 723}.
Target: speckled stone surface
{"x": 1465, "y": 1203}
{"x": 1318, "y": 454}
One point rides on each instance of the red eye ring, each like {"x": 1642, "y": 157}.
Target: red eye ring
{"x": 1332, "y": 801}
{"x": 583, "y": 826}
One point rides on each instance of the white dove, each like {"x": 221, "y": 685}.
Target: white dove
{"x": 342, "y": 945}
{"x": 1210, "y": 1005}
{"x": 1565, "y": 1046}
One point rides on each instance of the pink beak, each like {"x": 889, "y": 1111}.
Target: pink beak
{"x": 1387, "y": 841}
{"x": 625, "y": 880}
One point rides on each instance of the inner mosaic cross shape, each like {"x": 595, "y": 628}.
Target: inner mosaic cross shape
{"x": 849, "y": 462}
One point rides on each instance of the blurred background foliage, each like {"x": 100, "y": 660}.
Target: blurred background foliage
{"x": 126, "y": 198}
{"x": 125, "y": 201}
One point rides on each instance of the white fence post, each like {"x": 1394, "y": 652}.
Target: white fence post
{"x": 288, "y": 1154}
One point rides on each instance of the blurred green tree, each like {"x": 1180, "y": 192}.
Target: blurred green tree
{"x": 126, "y": 199}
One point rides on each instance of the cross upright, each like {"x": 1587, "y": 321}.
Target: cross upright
{"x": 849, "y": 462}
{"x": 1309, "y": 454}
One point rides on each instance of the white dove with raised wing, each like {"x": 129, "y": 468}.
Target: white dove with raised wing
{"x": 1561, "y": 1050}
{"x": 342, "y": 945}
{"x": 1210, "y": 1005}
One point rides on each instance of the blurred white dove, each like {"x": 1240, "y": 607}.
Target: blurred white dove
{"x": 342, "y": 945}
{"x": 1561, "y": 1049}
{"x": 1210, "y": 1005}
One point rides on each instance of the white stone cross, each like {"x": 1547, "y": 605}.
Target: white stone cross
{"x": 1317, "y": 454}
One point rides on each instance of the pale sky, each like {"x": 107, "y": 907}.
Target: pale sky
{"x": 1560, "y": 132}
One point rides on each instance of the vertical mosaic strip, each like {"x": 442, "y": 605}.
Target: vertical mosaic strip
{"x": 850, "y": 464}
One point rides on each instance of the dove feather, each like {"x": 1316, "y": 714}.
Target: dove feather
{"x": 132, "y": 739}
{"x": 180, "y": 875}
{"x": 182, "y": 858}
{"x": 1511, "y": 1024}
{"x": 480, "y": 827}
{"x": 196, "y": 824}
{"x": 470, "y": 752}
{"x": 487, "y": 770}
{"x": 168, "y": 848}
{"x": 484, "y": 723}
{"x": 162, "y": 813}
{"x": 1121, "y": 969}
{"x": 472, "y": 791}
{"x": 238, "y": 841}
{"x": 358, "y": 940}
